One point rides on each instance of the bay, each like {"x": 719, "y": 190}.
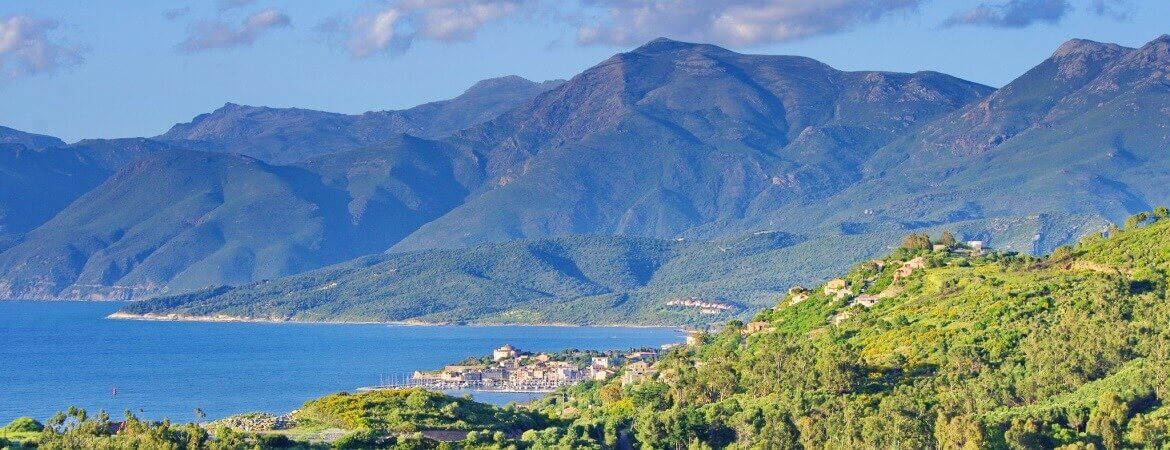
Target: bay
{"x": 57, "y": 354}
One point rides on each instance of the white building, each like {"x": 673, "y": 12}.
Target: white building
{"x": 505, "y": 352}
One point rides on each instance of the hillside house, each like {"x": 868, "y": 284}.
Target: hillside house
{"x": 866, "y": 300}
{"x": 909, "y": 267}
{"x": 755, "y": 327}
{"x": 636, "y": 373}
{"x": 834, "y": 286}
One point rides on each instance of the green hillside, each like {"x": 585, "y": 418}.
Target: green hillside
{"x": 572, "y": 279}
{"x": 970, "y": 351}
{"x": 181, "y": 220}
{"x": 578, "y": 279}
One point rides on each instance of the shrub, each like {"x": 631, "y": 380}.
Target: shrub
{"x": 24, "y": 424}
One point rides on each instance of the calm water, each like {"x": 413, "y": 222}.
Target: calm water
{"x": 56, "y": 354}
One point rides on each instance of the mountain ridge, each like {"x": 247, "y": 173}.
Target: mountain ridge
{"x": 678, "y": 141}
{"x": 287, "y": 135}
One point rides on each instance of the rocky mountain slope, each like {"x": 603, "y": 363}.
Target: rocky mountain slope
{"x": 1085, "y": 132}
{"x": 675, "y": 137}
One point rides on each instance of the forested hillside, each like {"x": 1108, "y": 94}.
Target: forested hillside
{"x": 927, "y": 348}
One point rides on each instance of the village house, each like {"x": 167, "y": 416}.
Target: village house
{"x": 641, "y": 356}
{"x": 834, "y": 286}
{"x": 636, "y": 373}
{"x": 866, "y": 300}
{"x": 909, "y": 267}
{"x": 494, "y": 374}
{"x": 755, "y": 327}
{"x": 459, "y": 373}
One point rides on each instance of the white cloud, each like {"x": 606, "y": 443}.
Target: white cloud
{"x": 27, "y": 48}
{"x": 729, "y": 22}
{"x": 1013, "y": 14}
{"x": 376, "y": 33}
{"x": 216, "y": 34}
{"x": 397, "y": 25}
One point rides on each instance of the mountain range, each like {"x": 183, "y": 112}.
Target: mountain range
{"x": 657, "y": 155}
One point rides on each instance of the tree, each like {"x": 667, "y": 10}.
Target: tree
{"x": 1137, "y": 220}
{"x": 1108, "y": 420}
{"x": 610, "y": 393}
{"x": 959, "y": 432}
{"x": 1061, "y": 252}
{"x": 1161, "y": 212}
{"x": 947, "y": 239}
{"x": 916, "y": 242}
{"x": 1024, "y": 434}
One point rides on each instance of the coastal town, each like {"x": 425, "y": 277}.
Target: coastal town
{"x": 510, "y": 369}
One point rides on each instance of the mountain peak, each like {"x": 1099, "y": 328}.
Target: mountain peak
{"x": 30, "y": 140}
{"x": 1085, "y": 47}
{"x": 229, "y": 106}
{"x": 664, "y": 45}
{"x": 1160, "y": 45}
{"x": 498, "y": 82}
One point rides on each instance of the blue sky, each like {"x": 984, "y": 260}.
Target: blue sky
{"x": 78, "y": 69}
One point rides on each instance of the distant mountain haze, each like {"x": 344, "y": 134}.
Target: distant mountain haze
{"x": 37, "y": 183}
{"x": 30, "y": 140}
{"x": 677, "y": 149}
{"x": 1085, "y": 132}
{"x": 182, "y": 219}
{"x": 286, "y": 135}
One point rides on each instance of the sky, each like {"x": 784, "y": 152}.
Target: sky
{"x": 85, "y": 69}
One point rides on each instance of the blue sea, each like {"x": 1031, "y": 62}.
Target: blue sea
{"x": 57, "y": 354}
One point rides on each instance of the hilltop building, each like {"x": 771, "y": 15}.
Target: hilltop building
{"x": 505, "y": 352}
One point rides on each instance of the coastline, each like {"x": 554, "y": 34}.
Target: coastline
{"x": 414, "y": 323}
